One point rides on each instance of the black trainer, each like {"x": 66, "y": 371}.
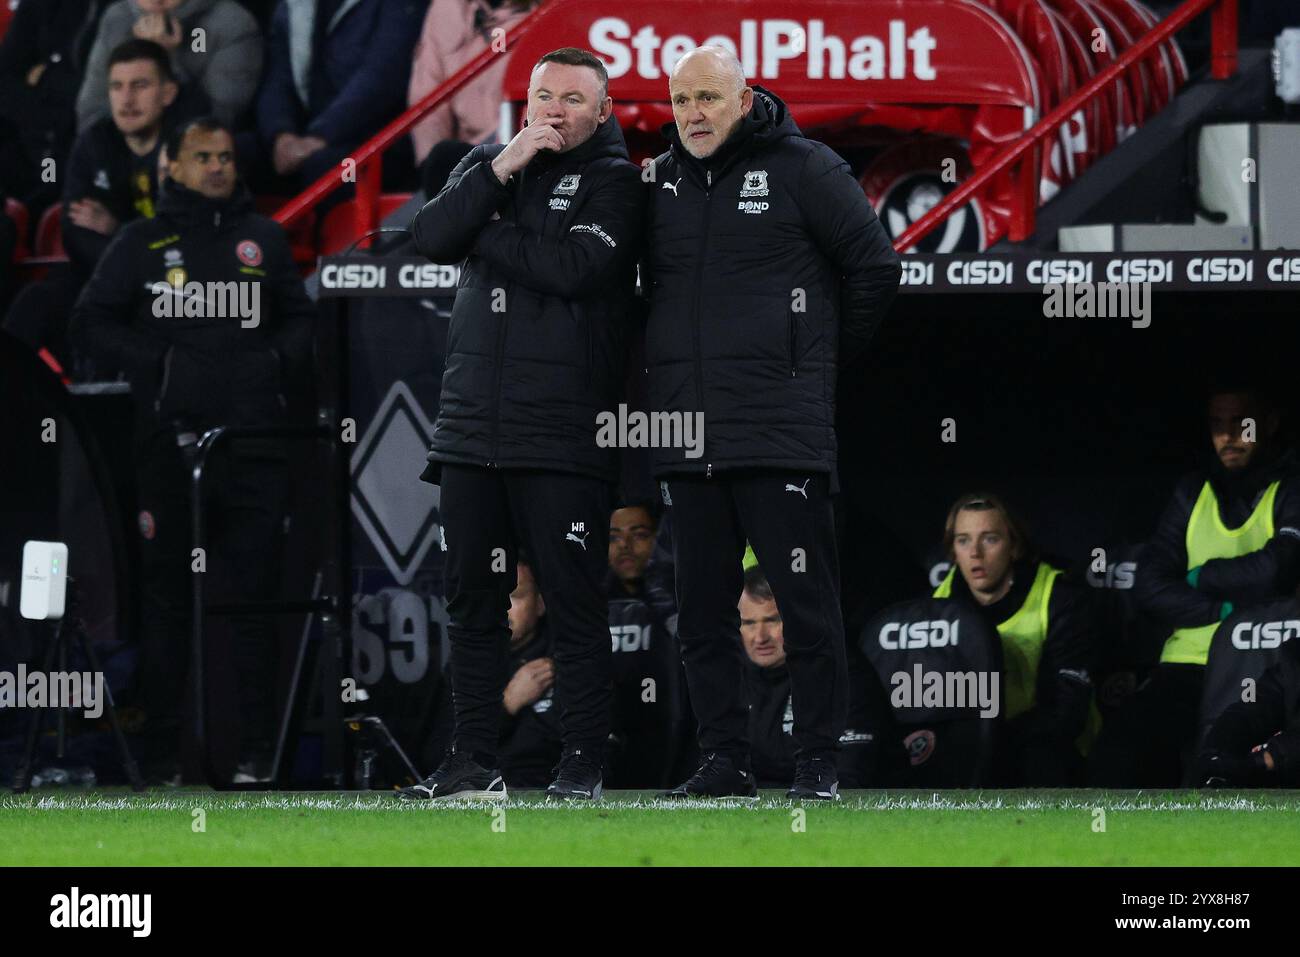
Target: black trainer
{"x": 720, "y": 776}
{"x": 815, "y": 779}
{"x": 578, "y": 776}
{"x": 458, "y": 778}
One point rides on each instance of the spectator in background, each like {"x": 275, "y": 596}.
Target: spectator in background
{"x": 225, "y": 363}
{"x": 771, "y": 709}
{"x": 530, "y": 740}
{"x": 455, "y": 32}
{"x": 1048, "y": 640}
{"x": 112, "y": 178}
{"x": 336, "y": 73}
{"x": 217, "y": 69}
{"x": 649, "y": 718}
{"x": 40, "y": 71}
{"x": 1230, "y": 537}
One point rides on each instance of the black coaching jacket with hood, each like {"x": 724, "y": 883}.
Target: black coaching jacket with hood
{"x": 206, "y": 369}
{"x": 767, "y": 271}
{"x": 535, "y": 350}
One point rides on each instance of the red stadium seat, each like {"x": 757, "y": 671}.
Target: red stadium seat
{"x": 49, "y": 233}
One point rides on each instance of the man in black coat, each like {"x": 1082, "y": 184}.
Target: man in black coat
{"x": 549, "y": 224}
{"x": 202, "y": 306}
{"x": 1257, "y": 742}
{"x": 768, "y": 272}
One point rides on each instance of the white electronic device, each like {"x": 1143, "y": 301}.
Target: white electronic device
{"x": 45, "y": 581}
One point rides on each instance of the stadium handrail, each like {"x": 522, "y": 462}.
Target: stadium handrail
{"x": 368, "y": 157}
{"x": 1223, "y": 64}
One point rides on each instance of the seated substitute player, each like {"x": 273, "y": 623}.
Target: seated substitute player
{"x": 529, "y": 739}
{"x": 1048, "y": 641}
{"x": 1257, "y": 743}
{"x": 649, "y": 719}
{"x": 1229, "y": 538}
{"x": 771, "y": 708}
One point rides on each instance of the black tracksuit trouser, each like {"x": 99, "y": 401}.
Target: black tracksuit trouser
{"x": 789, "y": 521}
{"x": 562, "y": 522}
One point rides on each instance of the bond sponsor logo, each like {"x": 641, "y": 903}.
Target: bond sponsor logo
{"x": 79, "y": 690}
{"x": 568, "y": 185}
{"x": 1042, "y": 271}
{"x": 354, "y": 276}
{"x": 76, "y": 909}
{"x": 654, "y": 430}
{"x": 427, "y": 276}
{"x": 1220, "y": 269}
{"x": 752, "y": 207}
{"x": 1251, "y": 636}
{"x": 755, "y": 184}
{"x": 981, "y": 272}
{"x": 559, "y": 202}
{"x": 917, "y": 274}
{"x": 595, "y": 230}
{"x": 1283, "y": 269}
{"x": 895, "y": 636}
{"x": 1140, "y": 270}
{"x": 765, "y": 45}
{"x": 946, "y": 689}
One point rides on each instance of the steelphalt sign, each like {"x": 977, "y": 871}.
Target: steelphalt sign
{"x": 351, "y": 276}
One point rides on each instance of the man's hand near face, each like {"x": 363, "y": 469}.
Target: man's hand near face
{"x": 161, "y": 28}
{"x": 527, "y": 143}
{"x": 93, "y": 215}
{"x": 291, "y": 150}
{"x": 529, "y": 683}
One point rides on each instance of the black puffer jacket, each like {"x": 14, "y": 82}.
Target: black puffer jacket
{"x": 538, "y": 331}
{"x": 1266, "y": 574}
{"x": 212, "y": 366}
{"x": 768, "y": 270}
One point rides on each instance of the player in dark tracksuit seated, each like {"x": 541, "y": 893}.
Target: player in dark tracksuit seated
{"x": 1048, "y": 641}
{"x": 771, "y": 707}
{"x": 1257, "y": 743}
{"x": 1230, "y": 538}
{"x": 649, "y": 721}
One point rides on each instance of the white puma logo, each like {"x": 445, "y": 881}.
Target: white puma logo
{"x": 581, "y": 541}
{"x": 672, "y": 186}
{"x": 798, "y": 488}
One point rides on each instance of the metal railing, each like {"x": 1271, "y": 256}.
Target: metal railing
{"x": 1023, "y": 154}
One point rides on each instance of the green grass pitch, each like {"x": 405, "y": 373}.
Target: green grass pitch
{"x": 1010, "y": 828}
